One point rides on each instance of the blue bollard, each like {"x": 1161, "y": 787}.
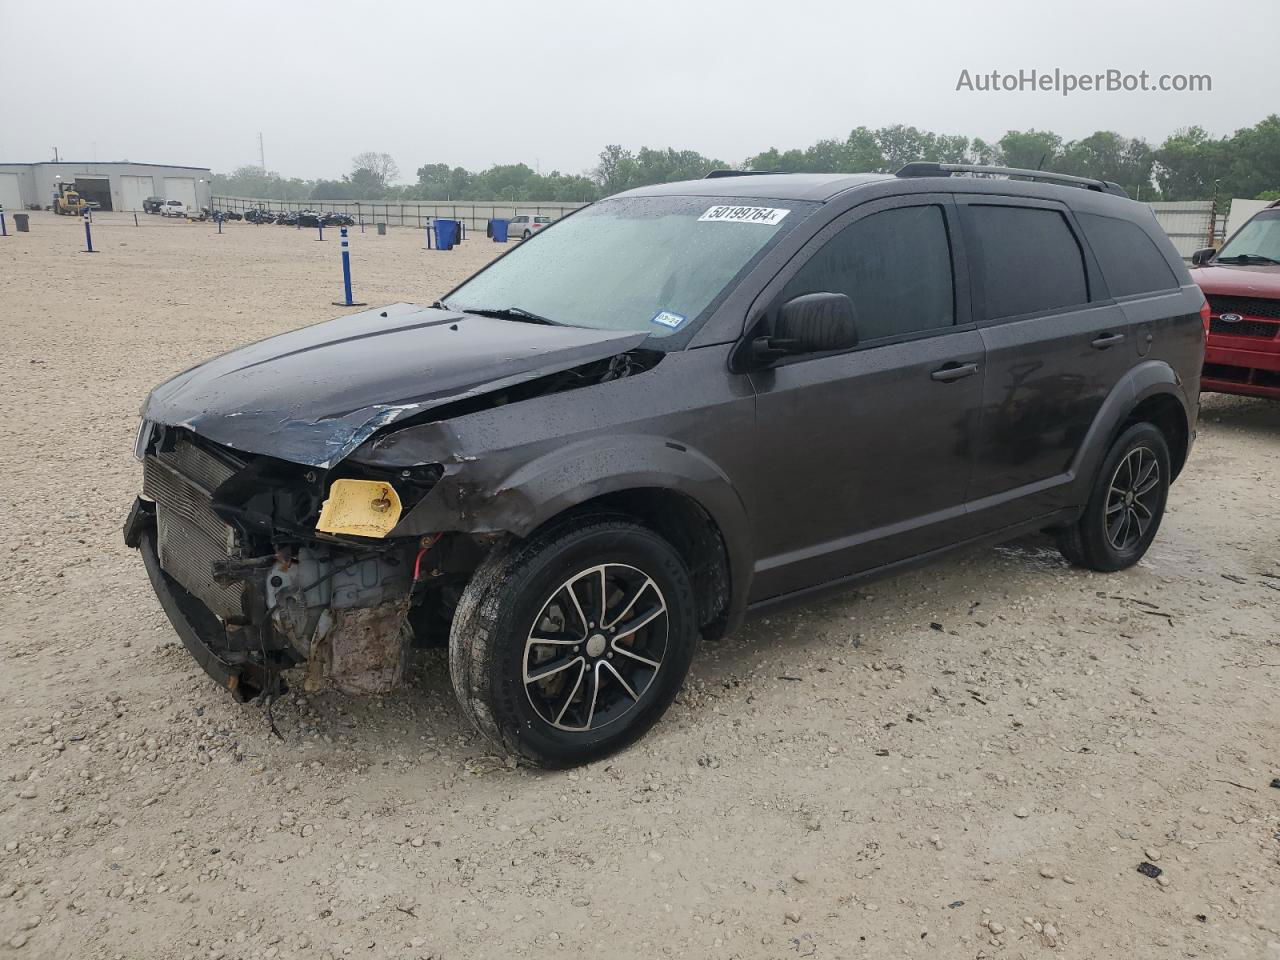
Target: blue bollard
{"x": 219, "y": 219}
{"x": 347, "y": 301}
{"x": 4, "y": 231}
{"x": 88, "y": 236}
{"x": 320, "y": 224}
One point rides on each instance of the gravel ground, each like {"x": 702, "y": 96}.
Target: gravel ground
{"x": 969, "y": 761}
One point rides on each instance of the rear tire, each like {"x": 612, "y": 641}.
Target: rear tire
{"x": 570, "y": 645}
{"x": 1125, "y": 505}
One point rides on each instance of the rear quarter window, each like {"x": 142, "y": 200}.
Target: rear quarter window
{"x": 1130, "y": 260}
{"x": 1026, "y": 260}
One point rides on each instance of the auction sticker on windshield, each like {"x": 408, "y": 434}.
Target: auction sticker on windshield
{"x": 726, "y": 214}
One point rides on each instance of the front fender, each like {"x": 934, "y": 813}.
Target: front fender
{"x": 516, "y": 491}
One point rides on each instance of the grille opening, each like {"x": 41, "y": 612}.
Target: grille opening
{"x": 1245, "y": 328}
{"x": 1225, "y": 371}
{"x": 1246, "y": 306}
{"x": 190, "y": 537}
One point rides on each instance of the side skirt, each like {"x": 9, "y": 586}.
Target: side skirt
{"x": 1034, "y": 525}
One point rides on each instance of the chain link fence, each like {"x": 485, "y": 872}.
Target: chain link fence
{"x": 1190, "y": 224}
{"x": 410, "y": 213}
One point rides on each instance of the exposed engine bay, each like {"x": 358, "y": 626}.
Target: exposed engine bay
{"x": 265, "y": 565}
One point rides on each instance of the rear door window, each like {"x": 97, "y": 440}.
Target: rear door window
{"x": 894, "y": 265}
{"x": 1130, "y": 260}
{"x": 1026, "y": 260}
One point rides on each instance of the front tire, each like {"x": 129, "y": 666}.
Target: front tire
{"x": 1125, "y": 506}
{"x": 570, "y": 645}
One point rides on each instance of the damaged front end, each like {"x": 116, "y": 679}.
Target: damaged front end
{"x": 271, "y": 547}
{"x": 235, "y": 547}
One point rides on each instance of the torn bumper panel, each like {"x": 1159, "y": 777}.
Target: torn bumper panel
{"x": 196, "y": 627}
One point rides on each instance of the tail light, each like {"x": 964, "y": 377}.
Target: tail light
{"x": 1204, "y": 316}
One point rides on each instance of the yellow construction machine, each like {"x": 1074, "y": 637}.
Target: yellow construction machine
{"x": 68, "y": 202}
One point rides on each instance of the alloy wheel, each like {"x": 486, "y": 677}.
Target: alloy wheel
{"x": 1132, "y": 499}
{"x": 595, "y": 647}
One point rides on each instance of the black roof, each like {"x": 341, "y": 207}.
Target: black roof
{"x": 776, "y": 186}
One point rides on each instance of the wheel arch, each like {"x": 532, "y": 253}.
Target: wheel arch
{"x": 690, "y": 529}
{"x": 1150, "y": 390}
{"x": 664, "y": 485}
{"x": 1164, "y": 411}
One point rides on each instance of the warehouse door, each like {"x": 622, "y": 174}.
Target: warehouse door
{"x": 134, "y": 190}
{"x": 97, "y": 189}
{"x": 181, "y": 188}
{"x": 10, "y": 196}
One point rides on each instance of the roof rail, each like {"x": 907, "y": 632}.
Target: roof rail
{"x": 717, "y": 174}
{"x": 924, "y": 168}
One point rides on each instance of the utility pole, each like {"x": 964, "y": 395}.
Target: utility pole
{"x": 262, "y": 157}
{"x": 55, "y": 154}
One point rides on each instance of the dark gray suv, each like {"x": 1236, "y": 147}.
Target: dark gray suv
{"x": 670, "y": 408}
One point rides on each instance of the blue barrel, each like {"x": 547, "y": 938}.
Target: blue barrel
{"x": 500, "y": 230}
{"x": 446, "y": 234}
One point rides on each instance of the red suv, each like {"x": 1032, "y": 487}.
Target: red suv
{"x": 1242, "y": 285}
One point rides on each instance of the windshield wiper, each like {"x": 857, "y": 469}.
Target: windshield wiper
{"x": 511, "y": 313}
{"x": 1246, "y": 258}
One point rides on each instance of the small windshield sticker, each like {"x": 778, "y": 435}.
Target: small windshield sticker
{"x": 726, "y": 214}
{"x": 666, "y": 318}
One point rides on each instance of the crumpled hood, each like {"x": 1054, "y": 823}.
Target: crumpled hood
{"x": 313, "y": 395}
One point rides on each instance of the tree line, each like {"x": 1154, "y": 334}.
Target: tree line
{"x": 1189, "y": 165}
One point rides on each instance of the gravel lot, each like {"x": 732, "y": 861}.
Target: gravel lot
{"x": 969, "y": 761}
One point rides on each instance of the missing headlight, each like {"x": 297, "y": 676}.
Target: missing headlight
{"x": 143, "y": 439}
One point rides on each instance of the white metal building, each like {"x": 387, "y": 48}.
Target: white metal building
{"x": 114, "y": 186}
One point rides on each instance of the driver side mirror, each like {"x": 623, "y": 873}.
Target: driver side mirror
{"x": 1201, "y": 257}
{"x": 811, "y": 323}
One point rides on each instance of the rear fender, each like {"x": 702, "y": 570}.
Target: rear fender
{"x": 1142, "y": 382}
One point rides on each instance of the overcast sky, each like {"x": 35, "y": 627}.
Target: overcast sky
{"x": 476, "y": 83}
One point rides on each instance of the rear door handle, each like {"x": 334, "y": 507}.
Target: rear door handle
{"x": 1107, "y": 340}
{"x": 954, "y": 371}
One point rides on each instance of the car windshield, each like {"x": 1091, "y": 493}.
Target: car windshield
{"x": 1259, "y": 239}
{"x": 656, "y": 265}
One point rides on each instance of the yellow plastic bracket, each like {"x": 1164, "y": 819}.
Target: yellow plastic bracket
{"x": 362, "y": 508}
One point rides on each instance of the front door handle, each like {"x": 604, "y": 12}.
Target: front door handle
{"x": 1107, "y": 340}
{"x": 954, "y": 371}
